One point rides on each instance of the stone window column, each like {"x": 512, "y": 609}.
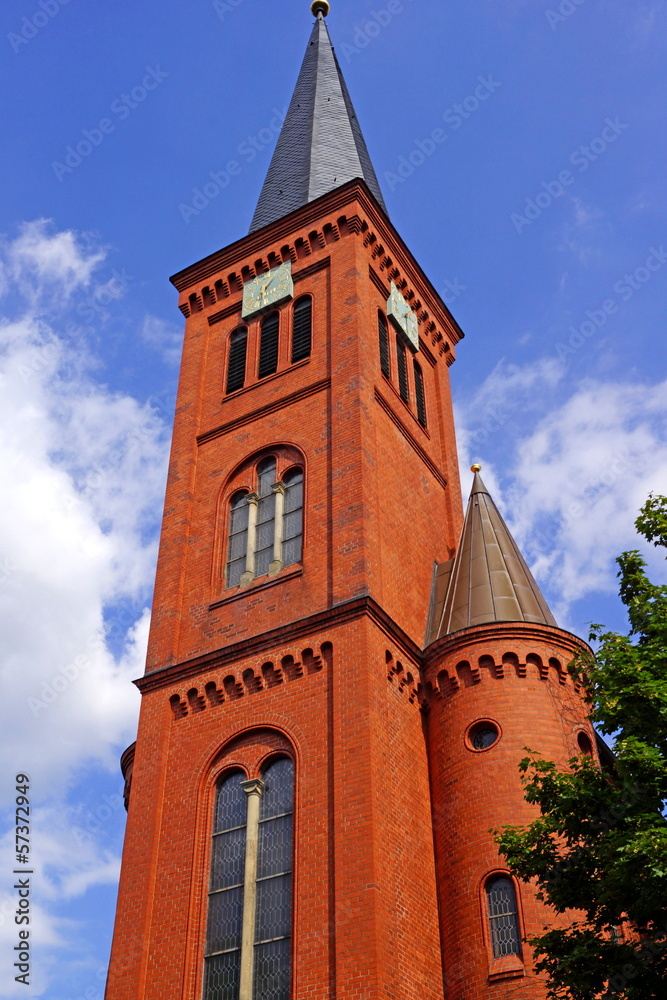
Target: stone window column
{"x": 254, "y": 790}
{"x": 252, "y": 500}
{"x": 277, "y": 564}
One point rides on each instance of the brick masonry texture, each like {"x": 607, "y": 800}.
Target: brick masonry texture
{"x": 324, "y": 661}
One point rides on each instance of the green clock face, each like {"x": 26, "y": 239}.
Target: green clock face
{"x": 268, "y": 289}
{"x": 404, "y": 317}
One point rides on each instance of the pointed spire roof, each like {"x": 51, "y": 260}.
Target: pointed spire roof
{"x": 320, "y": 146}
{"x": 490, "y": 580}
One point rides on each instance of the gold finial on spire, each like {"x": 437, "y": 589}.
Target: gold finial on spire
{"x": 320, "y": 7}
{"x": 475, "y": 468}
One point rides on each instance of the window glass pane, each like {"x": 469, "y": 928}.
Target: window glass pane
{"x": 265, "y": 535}
{"x": 225, "y": 918}
{"x": 266, "y": 477}
{"x": 230, "y": 806}
{"x": 278, "y": 794}
{"x": 228, "y": 861}
{"x": 268, "y": 345}
{"x": 292, "y": 524}
{"x": 292, "y": 551}
{"x": 501, "y": 899}
{"x": 275, "y": 846}
{"x": 301, "y": 329}
{"x": 238, "y": 539}
{"x": 222, "y": 977}
{"x": 272, "y": 971}
{"x": 274, "y": 908}
{"x": 235, "y": 571}
{"x": 293, "y": 495}
{"x": 239, "y": 515}
{"x": 263, "y": 560}
{"x": 237, "y": 545}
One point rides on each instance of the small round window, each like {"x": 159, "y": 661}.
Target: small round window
{"x": 483, "y": 735}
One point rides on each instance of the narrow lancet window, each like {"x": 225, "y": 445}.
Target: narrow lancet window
{"x": 225, "y": 901}
{"x": 238, "y": 346}
{"x": 238, "y": 539}
{"x": 383, "y": 336}
{"x": 419, "y": 394}
{"x": 273, "y": 924}
{"x": 503, "y": 916}
{"x": 302, "y": 322}
{"x": 293, "y": 517}
{"x": 266, "y": 516}
{"x": 402, "y": 360}
{"x": 268, "y": 345}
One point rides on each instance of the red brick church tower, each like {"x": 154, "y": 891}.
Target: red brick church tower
{"x": 342, "y": 671}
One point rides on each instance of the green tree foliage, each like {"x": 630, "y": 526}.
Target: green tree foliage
{"x": 600, "y": 844}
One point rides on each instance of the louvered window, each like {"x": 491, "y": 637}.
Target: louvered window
{"x": 302, "y": 322}
{"x": 238, "y": 539}
{"x": 503, "y": 916}
{"x": 273, "y": 923}
{"x": 266, "y": 516}
{"x": 238, "y": 347}
{"x": 402, "y": 360}
{"x": 419, "y": 394}
{"x": 293, "y": 517}
{"x": 226, "y": 889}
{"x": 268, "y": 345}
{"x": 383, "y": 334}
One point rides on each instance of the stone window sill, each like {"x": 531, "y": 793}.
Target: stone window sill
{"x": 509, "y": 967}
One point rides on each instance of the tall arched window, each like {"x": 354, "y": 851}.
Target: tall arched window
{"x": 266, "y": 516}
{"x": 503, "y": 916}
{"x": 238, "y": 347}
{"x": 266, "y": 526}
{"x": 383, "y": 336}
{"x": 268, "y": 345}
{"x": 226, "y": 889}
{"x": 249, "y": 928}
{"x": 273, "y": 925}
{"x": 402, "y": 360}
{"x": 293, "y": 517}
{"x": 419, "y": 394}
{"x": 302, "y": 323}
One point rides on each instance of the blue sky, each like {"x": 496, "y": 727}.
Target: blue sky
{"x": 521, "y": 149}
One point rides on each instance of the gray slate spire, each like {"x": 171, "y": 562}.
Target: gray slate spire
{"x": 489, "y": 579}
{"x": 320, "y": 146}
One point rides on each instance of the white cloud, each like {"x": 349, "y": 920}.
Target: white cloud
{"x": 577, "y": 460}
{"x": 163, "y": 337}
{"x": 83, "y": 480}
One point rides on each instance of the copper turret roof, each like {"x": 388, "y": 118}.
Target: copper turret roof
{"x": 320, "y": 146}
{"x": 489, "y": 580}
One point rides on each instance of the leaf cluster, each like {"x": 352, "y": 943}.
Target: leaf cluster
{"x": 599, "y": 847}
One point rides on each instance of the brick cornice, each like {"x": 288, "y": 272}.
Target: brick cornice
{"x": 482, "y": 635}
{"x": 340, "y": 614}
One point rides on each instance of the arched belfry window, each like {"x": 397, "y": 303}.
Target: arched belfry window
{"x": 383, "y": 337}
{"x": 268, "y": 345}
{"x": 420, "y": 396}
{"x": 265, "y": 526}
{"x": 236, "y": 363}
{"x": 402, "y": 361}
{"x": 302, "y": 324}
{"x": 503, "y": 916}
{"x": 249, "y": 929}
